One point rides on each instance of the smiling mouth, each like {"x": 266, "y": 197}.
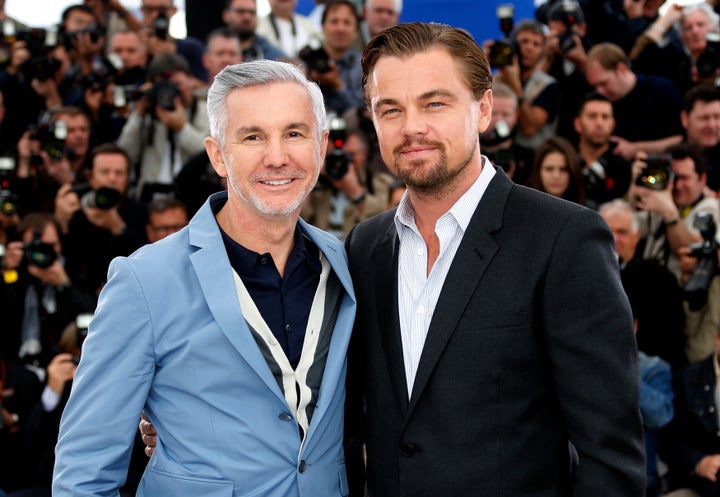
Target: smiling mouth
{"x": 277, "y": 182}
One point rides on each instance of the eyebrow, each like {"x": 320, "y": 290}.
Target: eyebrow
{"x": 428, "y": 95}
{"x": 290, "y": 126}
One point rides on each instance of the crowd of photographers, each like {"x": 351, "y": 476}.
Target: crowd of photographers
{"x": 610, "y": 104}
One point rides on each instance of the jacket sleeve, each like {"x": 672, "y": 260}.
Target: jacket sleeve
{"x": 594, "y": 363}
{"x": 109, "y": 391}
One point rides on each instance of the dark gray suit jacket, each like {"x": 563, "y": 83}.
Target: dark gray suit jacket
{"x": 530, "y": 347}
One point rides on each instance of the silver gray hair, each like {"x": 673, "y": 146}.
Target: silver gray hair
{"x": 706, "y": 8}
{"x": 619, "y": 206}
{"x": 254, "y": 73}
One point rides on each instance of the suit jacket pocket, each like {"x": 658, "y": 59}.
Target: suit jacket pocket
{"x": 160, "y": 484}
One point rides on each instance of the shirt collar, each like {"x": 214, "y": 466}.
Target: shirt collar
{"x": 462, "y": 210}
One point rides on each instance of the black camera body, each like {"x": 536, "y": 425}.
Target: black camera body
{"x": 315, "y": 56}
{"x": 706, "y": 252}
{"x": 52, "y": 139}
{"x": 104, "y": 198}
{"x": 42, "y": 68}
{"x": 39, "y": 253}
{"x": 657, "y": 172}
{"x": 9, "y": 203}
{"x": 161, "y": 26}
{"x": 502, "y": 51}
{"x": 566, "y": 40}
{"x": 95, "y": 31}
{"x": 337, "y": 162}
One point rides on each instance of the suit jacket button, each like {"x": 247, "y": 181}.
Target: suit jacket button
{"x": 285, "y": 417}
{"x": 407, "y": 450}
{"x": 303, "y": 466}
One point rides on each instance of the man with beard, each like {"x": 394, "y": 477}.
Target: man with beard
{"x": 241, "y": 15}
{"x": 478, "y": 366}
{"x": 607, "y": 175}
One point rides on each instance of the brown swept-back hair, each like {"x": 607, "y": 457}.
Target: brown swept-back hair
{"x": 405, "y": 40}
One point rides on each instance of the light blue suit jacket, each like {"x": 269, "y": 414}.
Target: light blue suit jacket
{"x": 169, "y": 337}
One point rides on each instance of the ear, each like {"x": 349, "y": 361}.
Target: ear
{"x": 684, "y": 119}
{"x": 576, "y": 124}
{"x": 214, "y": 152}
{"x": 485, "y": 111}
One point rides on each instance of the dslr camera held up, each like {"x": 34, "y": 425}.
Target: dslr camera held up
{"x": 337, "y": 162}
{"x": 706, "y": 252}
{"x": 502, "y": 51}
{"x": 314, "y": 56}
{"x": 103, "y": 198}
{"x": 657, "y": 172}
{"x": 39, "y": 253}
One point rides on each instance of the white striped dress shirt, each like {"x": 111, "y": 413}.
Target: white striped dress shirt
{"x": 418, "y": 292}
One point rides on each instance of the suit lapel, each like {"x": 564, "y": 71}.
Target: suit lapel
{"x": 385, "y": 260}
{"x": 474, "y": 254}
{"x": 214, "y": 274}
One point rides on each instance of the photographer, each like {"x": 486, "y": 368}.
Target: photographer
{"x": 156, "y": 37}
{"x": 567, "y": 46}
{"x": 37, "y": 296}
{"x": 99, "y": 222}
{"x": 334, "y": 64}
{"x": 538, "y": 93}
{"x": 667, "y": 222}
{"x": 167, "y": 127}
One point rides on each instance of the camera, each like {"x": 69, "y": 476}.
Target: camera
{"x": 657, "y": 172}
{"x": 502, "y": 51}
{"x": 161, "y": 26}
{"x": 706, "y": 252}
{"x": 103, "y": 72}
{"x": 314, "y": 56}
{"x": 39, "y": 253}
{"x": 569, "y": 13}
{"x": 708, "y": 61}
{"x": 337, "y": 162}
{"x": 7, "y": 170}
{"x": 566, "y": 40}
{"x": 498, "y": 134}
{"x": 104, "y": 198}
{"x": 52, "y": 139}
{"x": 95, "y": 31}
{"x": 42, "y": 68}
{"x": 8, "y": 203}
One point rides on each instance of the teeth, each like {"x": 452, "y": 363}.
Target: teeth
{"x": 277, "y": 182}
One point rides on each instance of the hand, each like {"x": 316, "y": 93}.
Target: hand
{"x": 623, "y": 147}
{"x": 157, "y": 46}
{"x": 54, "y": 275}
{"x": 149, "y": 435}
{"x": 107, "y": 219}
{"x": 687, "y": 263}
{"x": 174, "y": 119}
{"x": 330, "y": 79}
{"x": 67, "y": 203}
{"x": 60, "y": 370}
{"x": 659, "y": 201}
{"x": 708, "y": 467}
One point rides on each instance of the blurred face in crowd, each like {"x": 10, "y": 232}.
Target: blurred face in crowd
{"x": 356, "y": 149}
{"x": 380, "y": 15}
{"x": 221, "y": 52}
{"x": 110, "y": 170}
{"x": 283, "y": 8}
{"x": 702, "y": 123}
{"x": 129, "y": 47}
{"x": 340, "y": 27}
{"x": 185, "y": 84}
{"x": 555, "y": 174}
{"x": 78, "y": 132}
{"x": 77, "y": 20}
{"x": 152, "y": 8}
{"x": 505, "y": 110}
{"x": 167, "y": 222}
{"x": 531, "y": 47}
{"x": 695, "y": 27}
{"x": 608, "y": 83}
{"x": 241, "y": 15}
{"x": 626, "y": 238}
{"x": 687, "y": 184}
{"x": 595, "y": 122}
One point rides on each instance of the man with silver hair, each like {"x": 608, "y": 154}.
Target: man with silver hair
{"x": 241, "y": 319}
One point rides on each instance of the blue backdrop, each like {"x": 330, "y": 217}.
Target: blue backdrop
{"x": 477, "y": 16}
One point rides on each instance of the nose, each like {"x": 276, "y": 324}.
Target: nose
{"x": 275, "y": 154}
{"x": 414, "y": 123}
